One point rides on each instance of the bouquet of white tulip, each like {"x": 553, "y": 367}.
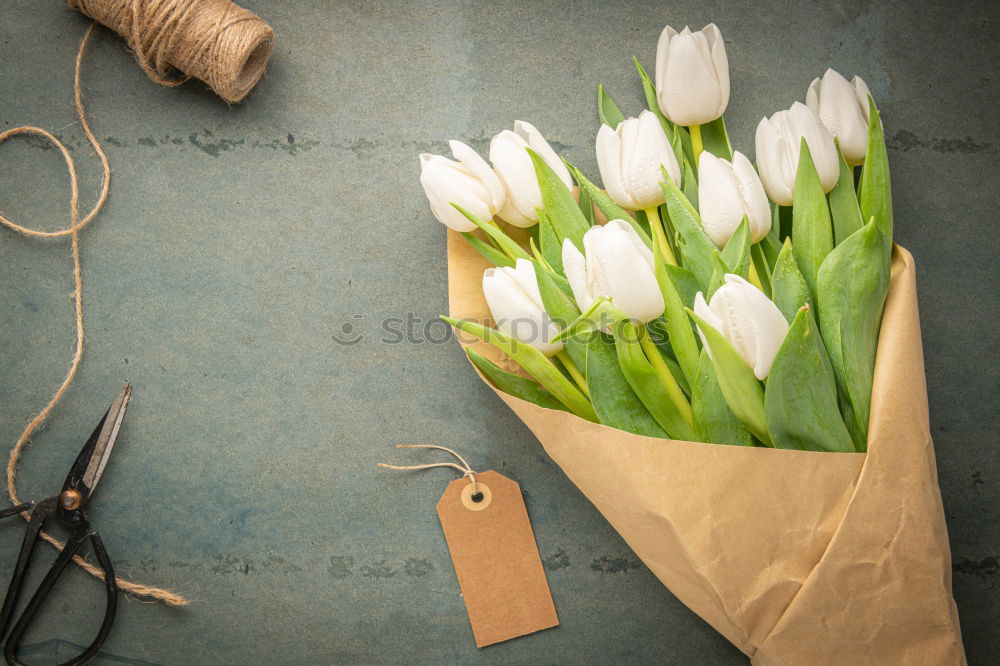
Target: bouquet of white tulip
{"x": 640, "y": 325}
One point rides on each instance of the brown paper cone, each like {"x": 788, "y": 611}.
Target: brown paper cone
{"x": 796, "y": 557}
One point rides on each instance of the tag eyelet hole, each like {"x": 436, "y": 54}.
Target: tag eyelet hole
{"x": 479, "y": 500}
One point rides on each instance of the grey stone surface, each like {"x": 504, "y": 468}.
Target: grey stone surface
{"x": 238, "y": 241}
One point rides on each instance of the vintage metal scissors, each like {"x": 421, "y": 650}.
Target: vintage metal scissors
{"x": 67, "y": 508}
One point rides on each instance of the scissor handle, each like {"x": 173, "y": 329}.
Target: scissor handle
{"x": 76, "y": 539}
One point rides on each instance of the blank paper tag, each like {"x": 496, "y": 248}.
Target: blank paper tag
{"x": 496, "y": 559}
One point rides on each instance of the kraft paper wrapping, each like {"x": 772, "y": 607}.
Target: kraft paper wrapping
{"x": 796, "y": 557}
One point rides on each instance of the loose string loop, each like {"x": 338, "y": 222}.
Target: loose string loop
{"x": 464, "y": 468}
{"x": 76, "y": 224}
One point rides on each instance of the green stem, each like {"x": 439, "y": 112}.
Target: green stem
{"x": 696, "y": 145}
{"x": 663, "y": 372}
{"x": 760, "y": 268}
{"x": 656, "y": 226}
{"x": 573, "y": 371}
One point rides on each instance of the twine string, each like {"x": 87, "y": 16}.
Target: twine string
{"x": 76, "y": 224}
{"x": 217, "y": 41}
{"x": 464, "y": 468}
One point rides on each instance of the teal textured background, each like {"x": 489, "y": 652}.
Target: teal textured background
{"x": 238, "y": 243}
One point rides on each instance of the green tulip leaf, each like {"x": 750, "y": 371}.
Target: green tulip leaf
{"x": 551, "y": 248}
{"x": 762, "y": 267}
{"x": 615, "y": 402}
{"x": 675, "y": 321}
{"x": 586, "y": 205}
{"x": 715, "y": 422}
{"x": 788, "y": 288}
{"x": 599, "y": 315}
{"x": 490, "y": 253}
{"x": 694, "y": 245}
{"x": 539, "y": 257}
{"x": 645, "y": 382}
{"x": 608, "y": 110}
{"x": 515, "y": 385}
{"x": 875, "y": 195}
{"x": 801, "y": 396}
{"x": 685, "y": 282}
{"x": 502, "y": 240}
{"x": 557, "y": 299}
{"x": 853, "y": 282}
{"x": 844, "y": 208}
{"x": 534, "y": 363}
{"x": 740, "y": 387}
{"x": 662, "y": 342}
{"x": 567, "y": 219}
{"x": 770, "y": 245}
{"x": 681, "y": 144}
{"x": 689, "y": 181}
{"x": 812, "y": 230}
{"x": 718, "y": 274}
{"x": 715, "y": 139}
{"x": 736, "y": 254}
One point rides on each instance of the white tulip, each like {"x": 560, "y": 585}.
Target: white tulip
{"x": 509, "y": 155}
{"x": 516, "y": 304}
{"x": 779, "y": 142}
{"x": 726, "y": 192}
{"x": 843, "y": 108}
{"x": 469, "y": 182}
{"x": 618, "y": 266}
{"x": 748, "y": 319}
{"x": 630, "y": 158}
{"x": 692, "y": 75}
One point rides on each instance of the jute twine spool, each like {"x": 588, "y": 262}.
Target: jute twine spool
{"x": 76, "y": 223}
{"x": 217, "y": 41}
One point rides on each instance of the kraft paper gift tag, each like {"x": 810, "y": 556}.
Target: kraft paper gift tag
{"x": 796, "y": 557}
{"x": 496, "y": 559}
{"x": 493, "y": 549}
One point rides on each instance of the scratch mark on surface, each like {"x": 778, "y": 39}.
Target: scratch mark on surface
{"x": 988, "y": 566}
{"x": 904, "y": 141}
{"x": 415, "y": 567}
{"x": 341, "y": 566}
{"x": 208, "y": 144}
{"x": 380, "y": 569}
{"x": 609, "y": 564}
{"x": 557, "y": 560}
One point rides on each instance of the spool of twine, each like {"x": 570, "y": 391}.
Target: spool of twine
{"x": 217, "y": 41}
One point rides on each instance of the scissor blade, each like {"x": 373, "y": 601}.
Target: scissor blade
{"x": 89, "y": 465}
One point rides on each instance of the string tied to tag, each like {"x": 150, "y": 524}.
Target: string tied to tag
{"x": 464, "y": 468}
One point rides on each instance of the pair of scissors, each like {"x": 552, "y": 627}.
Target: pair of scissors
{"x": 67, "y": 508}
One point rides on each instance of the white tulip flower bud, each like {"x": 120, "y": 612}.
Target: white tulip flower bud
{"x": 509, "y": 155}
{"x": 843, "y": 108}
{"x": 779, "y": 142}
{"x": 516, "y": 305}
{"x": 616, "y": 265}
{"x": 726, "y": 192}
{"x": 469, "y": 182}
{"x": 752, "y": 324}
{"x": 692, "y": 75}
{"x": 630, "y": 160}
